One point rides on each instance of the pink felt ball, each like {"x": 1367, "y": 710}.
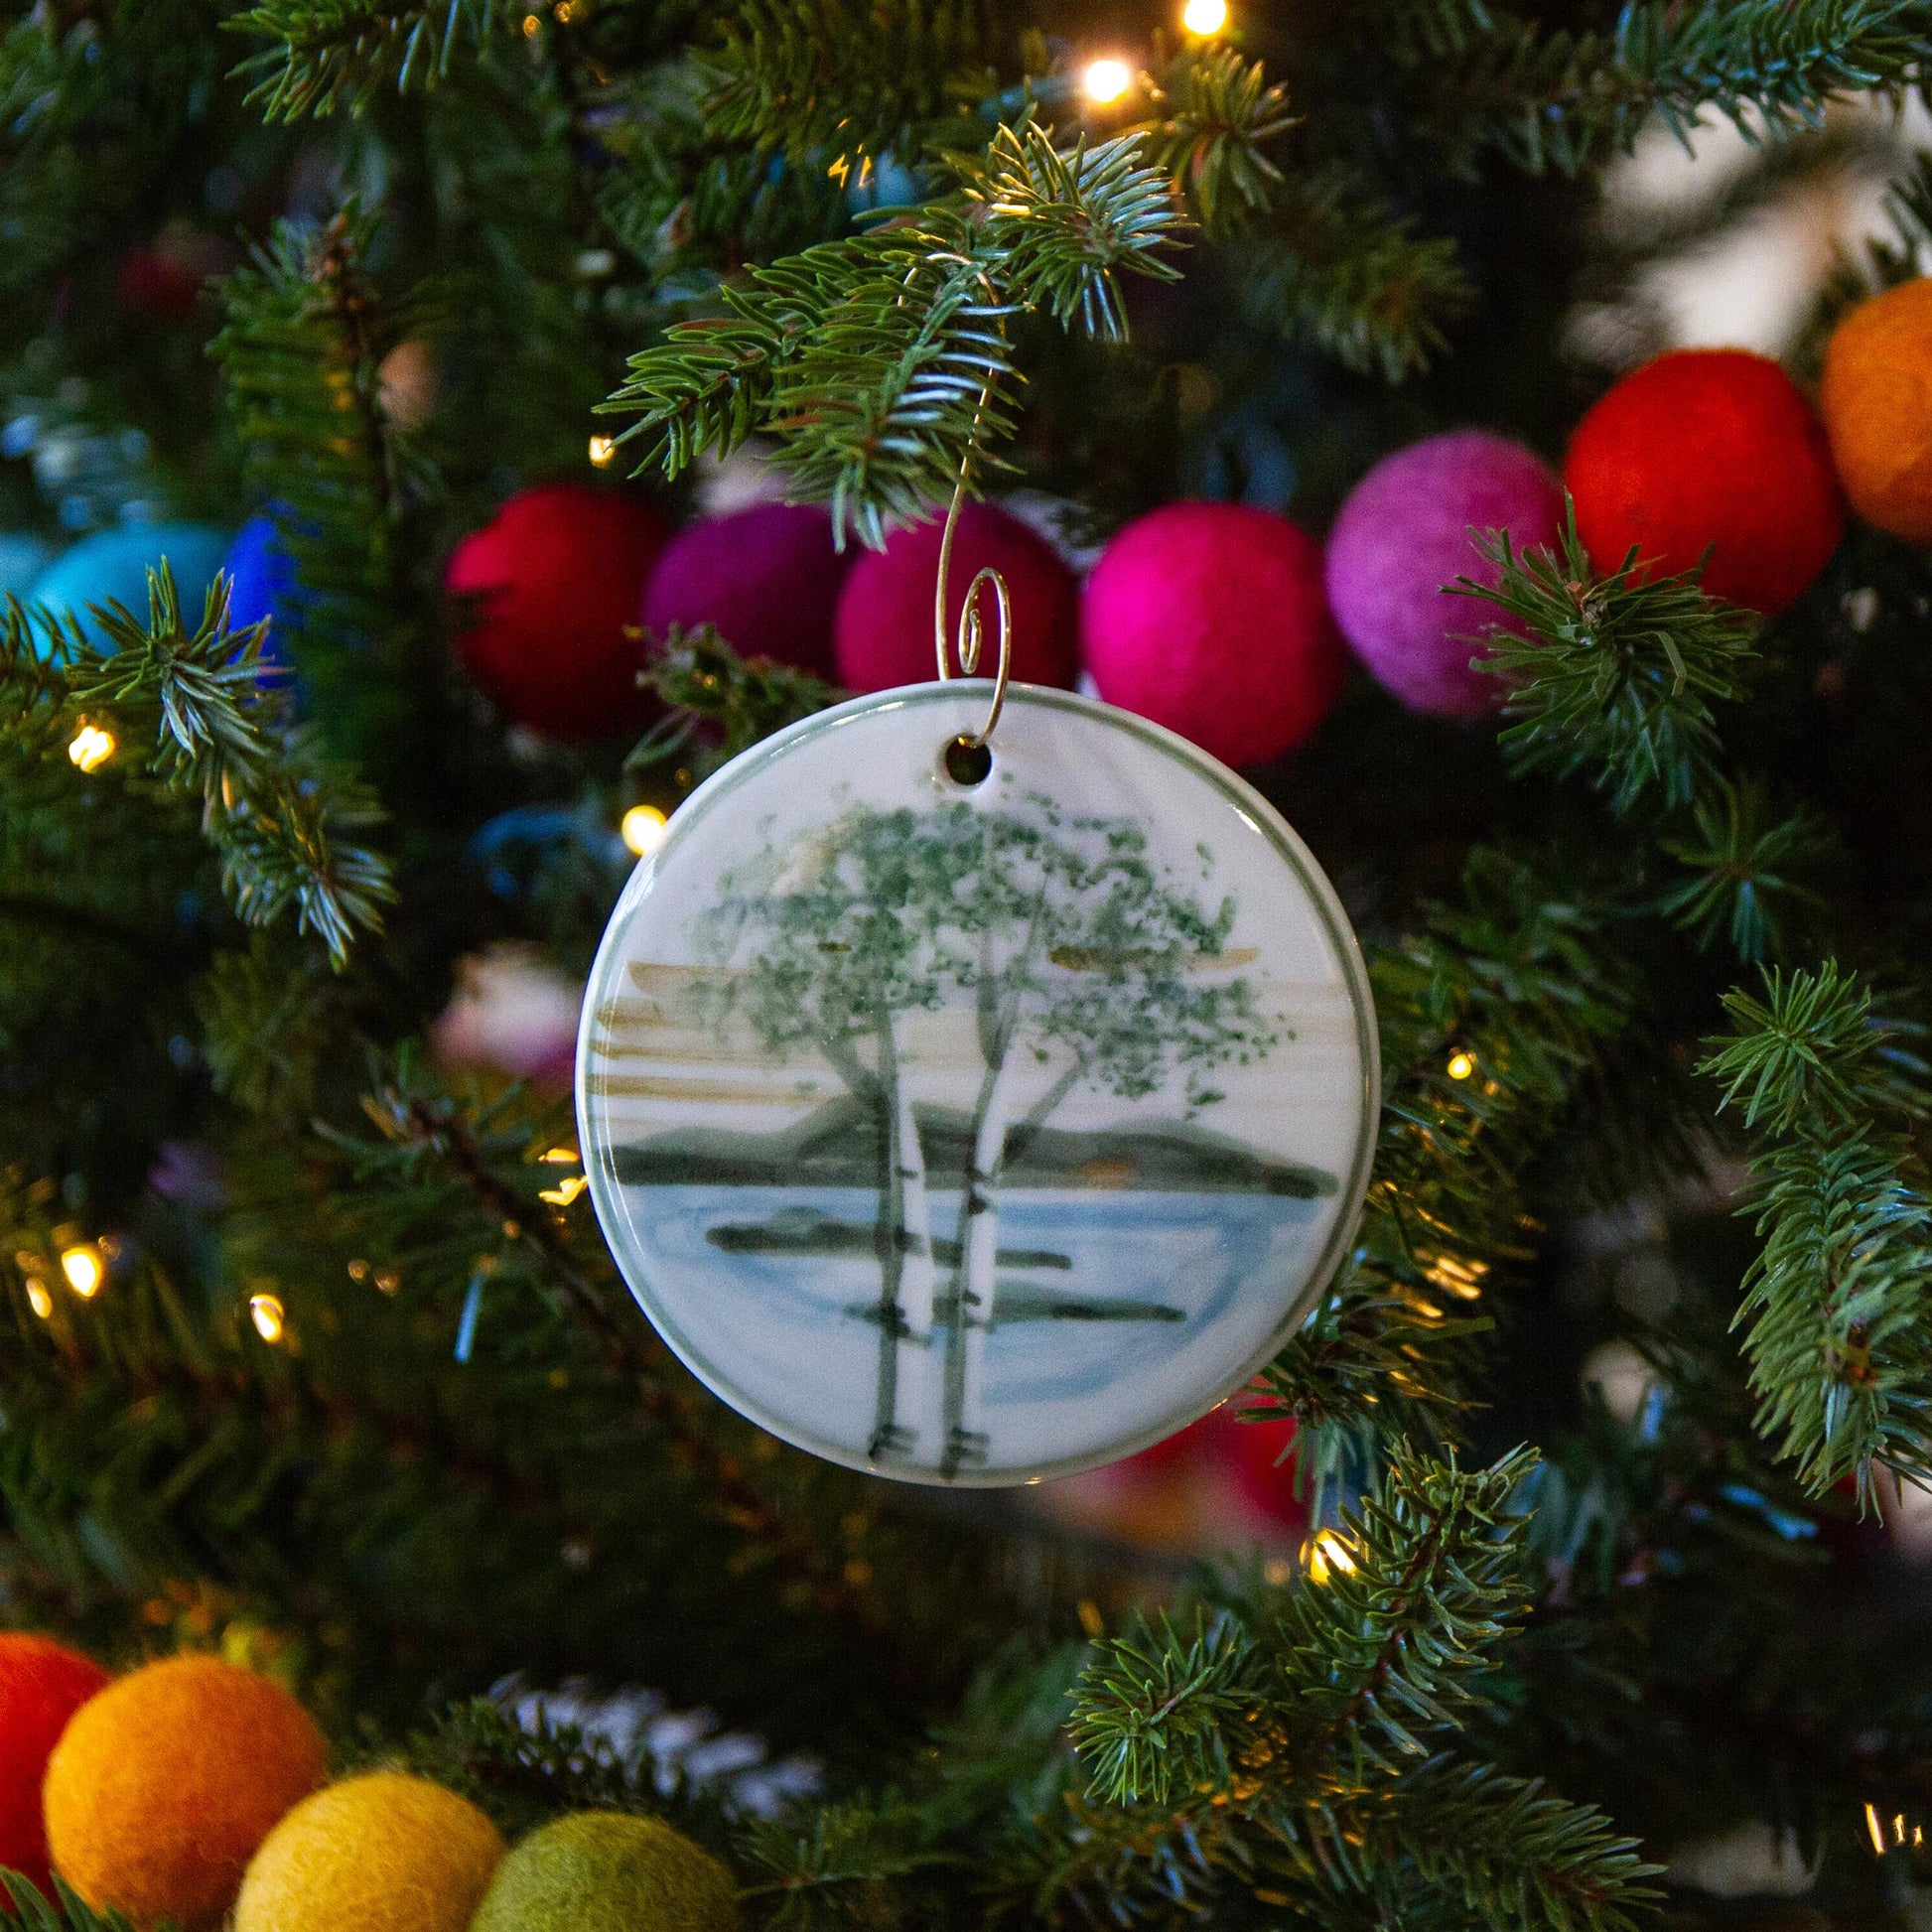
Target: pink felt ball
{"x": 1404, "y": 532}
{"x": 766, "y": 577}
{"x": 885, "y": 622}
{"x": 1210, "y": 618}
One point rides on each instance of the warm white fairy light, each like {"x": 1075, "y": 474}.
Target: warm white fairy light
{"x": 81, "y": 1264}
{"x": 1329, "y": 1554}
{"x": 1461, "y": 1065}
{"x": 642, "y": 828}
{"x": 603, "y": 449}
{"x": 1105, "y": 81}
{"x": 38, "y": 1298}
{"x": 566, "y": 1191}
{"x": 1204, "y": 17}
{"x": 90, "y": 748}
{"x": 268, "y": 1315}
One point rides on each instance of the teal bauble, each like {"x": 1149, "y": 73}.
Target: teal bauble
{"x": 112, "y": 566}
{"x": 608, "y": 1871}
{"x": 23, "y": 561}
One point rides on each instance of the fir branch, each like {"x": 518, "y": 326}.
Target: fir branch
{"x": 1563, "y": 100}
{"x": 1214, "y": 118}
{"x": 1391, "y": 1647}
{"x": 66, "y": 1911}
{"x": 1493, "y": 1019}
{"x": 843, "y": 1867}
{"x": 1614, "y": 674}
{"x": 897, "y": 391}
{"x": 1515, "y": 1858}
{"x": 302, "y": 351}
{"x": 288, "y": 829}
{"x": 1836, "y": 1302}
{"x": 1154, "y": 1712}
{"x": 883, "y": 360}
{"x": 1289, "y": 1746}
{"x": 342, "y": 53}
{"x": 1746, "y": 868}
{"x": 1810, "y": 1050}
{"x": 1058, "y": 226}
{"x": 1338, "y": 268}
{"x": 1837, "y": 1306}
{"x": 718, "y": 703}
{"x": 525, "y": 1775}
{"x": 847, "y": 84}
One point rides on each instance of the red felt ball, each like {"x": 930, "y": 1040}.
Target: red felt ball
{"x": 885, "y": 620}
{"x": 558, "y": 573}
{"x": 1211, "y": 619}
{"x": 41, "y": 1685}
{"x": 1708, "y": 449}
{"x": 767, "y": 577}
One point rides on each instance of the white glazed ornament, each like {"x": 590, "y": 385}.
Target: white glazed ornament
{"x": 977, "y": 1132}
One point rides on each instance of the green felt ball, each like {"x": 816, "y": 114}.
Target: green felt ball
{"x": 607, "y": 1872}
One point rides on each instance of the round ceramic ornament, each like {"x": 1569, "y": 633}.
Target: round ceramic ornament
{"x": 977, "y": 1120}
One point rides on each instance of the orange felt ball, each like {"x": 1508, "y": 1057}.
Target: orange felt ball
{"x": 162, "y": 1787}
{"x": 1708, "y": 450}
{"x": 41, "y": 1685}
{"x": 1877, "y": 402}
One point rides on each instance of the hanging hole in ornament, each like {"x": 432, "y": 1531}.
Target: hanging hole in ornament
{"x": 968, "y": 761}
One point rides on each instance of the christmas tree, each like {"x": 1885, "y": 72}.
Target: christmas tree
{"x": 1600, "y": 1604}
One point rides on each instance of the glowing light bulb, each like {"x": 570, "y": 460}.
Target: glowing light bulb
{"x": 81, "y": 1265}
{"x": 1328, "y": 1554}
{"x": 90, "y": 748}
{"x": 1105, "y": 81}
{"x": 603, "y": 449}
{"x": 268, "y": 1315}
{"x": 643, "y": 829}
{"x": 566, "y": 1191}
{"x": 1460, "y": 1067}
{"x": 1204, "y": 17}
{"x": 38, "y": 1298}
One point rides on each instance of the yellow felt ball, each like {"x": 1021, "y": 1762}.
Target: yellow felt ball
{"x": 1877, "y": 402}
{"x": 382, "y": 1853}
{"x": 162, "y": 1785}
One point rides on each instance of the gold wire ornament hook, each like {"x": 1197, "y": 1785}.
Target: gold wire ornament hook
{"x": 971, "y": 637}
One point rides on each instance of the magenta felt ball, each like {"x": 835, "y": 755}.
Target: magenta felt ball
{"x": 767, "y": 577}
{"x": 1404, "y": 532}
{"x": 1211, "y": 619}
{"x": 885, "y": 624}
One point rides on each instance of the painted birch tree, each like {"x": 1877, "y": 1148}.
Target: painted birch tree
{"x": 1085, "y": 958}
{"x": 840, "y": 934}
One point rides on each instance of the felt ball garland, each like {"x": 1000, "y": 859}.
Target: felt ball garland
{"x": 767, "y": 577}
{"x": 606, "y": 1872}
{"x": 1408, "y": 531}
{"x": 380, "y": 1853}
{"x": 1211, "y": 619}
{"x": 1877, "y": 402}
{"x": 41, "y": 1685}
{"x": 164, "y": 1785}
{"x": 884, "y": 616}
{"x": 551, "y": 588}
{"x": 1708, "y": 450}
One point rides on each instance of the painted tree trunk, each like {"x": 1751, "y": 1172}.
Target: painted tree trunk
{"x": 970, "y": 1307}
{"x": 916, "y": 1225}
{"x": 889, "y": 1435}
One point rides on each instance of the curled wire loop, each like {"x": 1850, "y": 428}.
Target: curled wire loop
{"x": 971, "y": 637}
